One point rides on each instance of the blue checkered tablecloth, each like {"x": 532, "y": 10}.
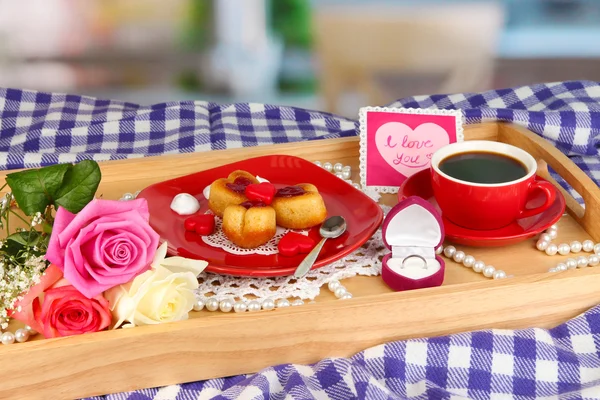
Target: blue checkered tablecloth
{"x": 562, "y": 363}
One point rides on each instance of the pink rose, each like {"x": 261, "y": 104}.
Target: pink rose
{"x": 106, "y": 244}
{"x": 55, "y": 308}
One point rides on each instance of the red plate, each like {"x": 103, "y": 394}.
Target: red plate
{"x": 520, "y": 230}
{"x": 362, "y": 214}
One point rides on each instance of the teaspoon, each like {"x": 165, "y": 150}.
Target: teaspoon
{"x": 332, "y": 228}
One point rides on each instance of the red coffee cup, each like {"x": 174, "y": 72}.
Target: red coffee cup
{"x": 484, "y": 206}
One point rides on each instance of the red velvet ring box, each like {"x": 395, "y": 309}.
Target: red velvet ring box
{"x": 411, "y": 230}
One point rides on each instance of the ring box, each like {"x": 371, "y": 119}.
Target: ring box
{"x": 412, "y": 230}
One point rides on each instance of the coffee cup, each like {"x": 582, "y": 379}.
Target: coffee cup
{"x": 486, "y": 185}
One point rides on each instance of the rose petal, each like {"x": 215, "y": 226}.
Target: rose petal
{"x": 55, "y": 251}
{"x": 68, "y": 225}
{"x": 151, "y": 304}
{"x": 98, "y": 208}
{"x": 181, "y": 264}
{"x": 121, "y": 305}
{"x": 177, "y": 264}
{"x": 86, "y": 267}
{"x": 118, "y": 250}
{"x": 107, "y": 273}
{"x": 155, "y": 296}
{"x": 65, "y": 311}
{"x": 160, "y": 254}
{"x": 87, "y": 287}
{"x": 87, "y": 278}
{"x": 51, "y": 276}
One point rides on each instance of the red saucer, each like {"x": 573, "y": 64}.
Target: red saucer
{"x": 363, "y": 216}
{"x": 520, "y": 230}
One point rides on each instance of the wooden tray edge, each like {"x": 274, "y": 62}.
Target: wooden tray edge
{"x": 204, "y": 348}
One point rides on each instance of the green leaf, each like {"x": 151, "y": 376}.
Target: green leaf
{"x": 27, "y": 238}
{"x": 35, "y": 189}
{"x": 17, "y": 238}
{"x": 79, "y": 186}
{"x": 17, "y": 242}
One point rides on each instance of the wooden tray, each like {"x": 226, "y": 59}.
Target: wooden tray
{"x": 216, "y": 344}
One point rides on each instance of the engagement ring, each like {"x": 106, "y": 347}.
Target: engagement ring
{"x": 415, "y": 256}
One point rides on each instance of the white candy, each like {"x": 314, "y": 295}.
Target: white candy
{"x": 261, "y": 179}
{"x": 185, "y": 204}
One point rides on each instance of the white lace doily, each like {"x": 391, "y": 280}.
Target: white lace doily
{"x": 366, "y": 261}
{"x": 218, "y": 239}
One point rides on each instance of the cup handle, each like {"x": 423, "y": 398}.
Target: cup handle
{"x": 550, "y": 192}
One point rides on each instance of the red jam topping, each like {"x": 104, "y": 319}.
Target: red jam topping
{"x": 248, "y": 204}
{"x": 239, "y": 185}
{"x": 290, "y": 191}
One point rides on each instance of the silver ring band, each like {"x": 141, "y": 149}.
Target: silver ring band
{"x": 416, "y": 256}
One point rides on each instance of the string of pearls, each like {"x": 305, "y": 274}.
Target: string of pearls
{"x": 21, "y": 335}
{"x": 341, "y": 171}
{"x": 227, "y": 305}
{"x": 546, "y": 245}
{"x": 469, "y": 261}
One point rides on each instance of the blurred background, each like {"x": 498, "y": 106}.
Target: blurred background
{"x": 319, "y": 54}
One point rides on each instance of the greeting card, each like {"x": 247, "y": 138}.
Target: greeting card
{"x": 396, "y": 143}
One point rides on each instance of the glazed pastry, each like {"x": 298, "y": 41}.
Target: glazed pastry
{"x": 299, "y": 207}
{"x": 250, "y": 224}
{"x": 229, "y": 191}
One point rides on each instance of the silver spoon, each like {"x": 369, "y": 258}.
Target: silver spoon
{"x": 332, "y": 228}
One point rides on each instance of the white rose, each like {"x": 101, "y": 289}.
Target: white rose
{"x": 165, "y": 293}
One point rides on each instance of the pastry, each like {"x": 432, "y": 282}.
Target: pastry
{"x": 249, "y": 224}
{"x": 299, "y": 206}
{"x": 229, "y": 191}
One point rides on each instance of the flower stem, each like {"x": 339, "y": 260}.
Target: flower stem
{"x": 48, "y": 216}
{"x": 7, "y": 223}
{"x": 18, "y": 216}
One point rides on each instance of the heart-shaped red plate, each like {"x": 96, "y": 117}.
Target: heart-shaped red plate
{"x": 362, "y": 214}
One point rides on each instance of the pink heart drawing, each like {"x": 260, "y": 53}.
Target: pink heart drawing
{"x": 406, "y": 150}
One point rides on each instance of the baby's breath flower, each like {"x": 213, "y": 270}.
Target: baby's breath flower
{"x": 37, "y": 219}
{"x": 17, "y": 278}
{"x": 4, "y": 203}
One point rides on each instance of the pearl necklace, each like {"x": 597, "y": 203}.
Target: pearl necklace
{"x": 226, "y": 305}
{"x": 543, "y": 244}
{"x": 469, "y": 261}
{"x": 21, "y": 335}
{"x": 212, "y": 304}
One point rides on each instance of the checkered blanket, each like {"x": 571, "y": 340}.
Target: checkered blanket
{"x": 41, "y": 129}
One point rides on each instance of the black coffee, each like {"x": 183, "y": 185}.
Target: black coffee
{"x": 483, "y": 167}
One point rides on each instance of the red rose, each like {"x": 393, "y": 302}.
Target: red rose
{"x": 55, "y": 308}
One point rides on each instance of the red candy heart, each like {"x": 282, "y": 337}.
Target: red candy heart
{"x": 202, "y": 224}
{"x": 264, "y": 192}
{"x": 293, "y": 243}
